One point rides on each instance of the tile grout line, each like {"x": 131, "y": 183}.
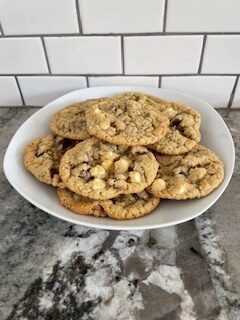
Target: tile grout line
{"x": 159, "y": 82}
{"x": 1, "y": 29}
{"x": 87, "y": 81}
{"x": 233, "y": 93}
{"x": 202, "y": 54}
{"x": 122, "y": 55}
{"x": 80, "y": 27}
{"x": 119, "y": 74}
{"x": 46, "y": 55}
{"x": 20, "y": 91}
{"x": 139, "y": 34}
{"x": 165, "y": 16}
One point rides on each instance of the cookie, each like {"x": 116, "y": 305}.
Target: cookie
{"x": 80, "y": 204}
{"x": 42, "y": 158}
{"x": 191, "y": 175}
{"x": 138, "y": 96}
{"x": 184, "y": 128}
{"x": 100, "y": 170}
{"x": 130, "y": 206}
{"x": 70, "y": 122}
{"x": 126, "y": 122}
{"x": 123, "y": 207}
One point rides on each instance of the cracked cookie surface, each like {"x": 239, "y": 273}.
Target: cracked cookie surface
{"x": 126, "y": 122}
{"x": 79, "y": 204}
{"x": 123, "y": 207}
{"x": 139, "y": 96}
{"x": 100, "y": 170}
{"x": 183, "y": 132}
{"x": 70, "y": 122}
{"x": 42, "y": 158}
{"x": 191, "y": 175}
{"x": 184, "y": 128}
{"x": 130, "y": 206}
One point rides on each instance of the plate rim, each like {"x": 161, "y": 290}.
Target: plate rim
{"x": 115, "y": 227}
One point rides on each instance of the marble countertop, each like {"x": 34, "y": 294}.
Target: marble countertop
{"x": 51, "y": 269}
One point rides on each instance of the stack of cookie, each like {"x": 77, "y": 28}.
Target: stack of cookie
{"x": 119, "y": 156}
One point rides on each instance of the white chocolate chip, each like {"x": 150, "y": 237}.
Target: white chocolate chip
{"x": 196, "y": 174}
{"x": 110, "y": 155}
{"x": 135, "y": 176}
{"x": 158, "y": 185}
{"x": 105, "y": 124}
{"x": 98, "y": 171}
{"x": 97, "y": 111}
{"x": 121, "y": 166}
{"x": 106, "y": 164}
{"x": 98, "y": 184}
{"x": 179, "y": 187}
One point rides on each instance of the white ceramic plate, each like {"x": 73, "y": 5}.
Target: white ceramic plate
{"x": 215, "y": 135}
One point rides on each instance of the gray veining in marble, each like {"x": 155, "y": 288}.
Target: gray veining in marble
{"x": 51, "y": 269}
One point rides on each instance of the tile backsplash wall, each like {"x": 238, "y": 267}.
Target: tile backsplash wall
{"x": 51, "y": 47}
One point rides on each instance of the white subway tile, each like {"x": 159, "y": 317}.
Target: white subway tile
{"x": 222, "y": 54}
{"x": 203, "y": 16}
{"x": 123, "y": 81}
{"x": 162, "y": 54}
{"x": 121, "y": 16}
{"x": 214, "y": 90}
{"x": 38, "y": 91}
{"x": 38, "y": 17}
{"x": 84, "y": 55}
{"x": 22, "y": 55}
{"x": 236, "y": 100}
{"x": 10, "y": 95}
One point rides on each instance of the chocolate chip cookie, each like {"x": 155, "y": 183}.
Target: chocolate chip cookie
{"x": 183, "y": 132}
{"x": 100, "y": 170}
{"x": 42, "y": 158}
{"x": 80, "y": 204}
{"x": 184, "y": 128}
{"x": 126, "y": 122}
{"x": 70, "y": 122}
{"x": 123, "y": 207}
{"x": 130, "y": 206}
{"x": 191, "y": 175}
